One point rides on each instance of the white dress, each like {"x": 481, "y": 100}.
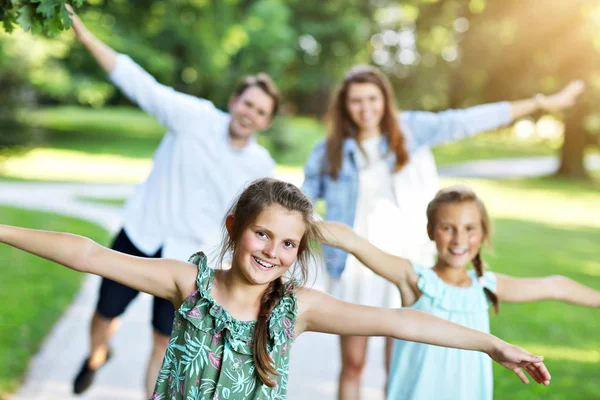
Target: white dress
{"x": 377, "y": 220}
{"x": 390, "y": 214}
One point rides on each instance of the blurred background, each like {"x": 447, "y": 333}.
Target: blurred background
{"x": 62, "y": 121}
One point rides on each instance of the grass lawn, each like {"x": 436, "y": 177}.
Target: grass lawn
{"x": 110, "y": 202}
{"x": 33, "y": 292}
{"x": 116, "y": 145}
{"x": 543, "y": 227}
{"x": 546, "y": 227}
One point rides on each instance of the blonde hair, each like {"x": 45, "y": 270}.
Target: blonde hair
{"x": 463, "y": 194}
{"x": 258, "y": 196}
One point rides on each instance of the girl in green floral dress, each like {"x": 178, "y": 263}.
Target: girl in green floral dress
{"x": 234, "y": 327}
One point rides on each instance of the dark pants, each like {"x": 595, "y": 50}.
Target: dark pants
{"x": 115, "y": 297}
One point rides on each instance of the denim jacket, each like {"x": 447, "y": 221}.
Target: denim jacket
{"x": 421, "y": 130}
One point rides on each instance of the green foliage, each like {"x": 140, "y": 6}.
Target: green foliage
{"x": 291, "y": 139}
{"x": 33, "y": 292}
{"x": 438, "y": 54}
{"x": 47, "y": 17}
{"x": 201, "y": 47}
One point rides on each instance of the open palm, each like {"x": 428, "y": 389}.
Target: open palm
{"x": 565, "y": 98}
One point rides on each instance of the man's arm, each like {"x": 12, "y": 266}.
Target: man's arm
{"x": 175, "y": 110}
{"x": 104, "y": 55}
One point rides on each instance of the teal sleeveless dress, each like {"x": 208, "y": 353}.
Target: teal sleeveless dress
{"x": 210, "y": 353}
{"x": 425, "y": 372}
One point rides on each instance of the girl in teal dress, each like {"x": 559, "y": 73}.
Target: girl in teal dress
{"x": 234, "y": 327}
{"x": 458, "y": 223}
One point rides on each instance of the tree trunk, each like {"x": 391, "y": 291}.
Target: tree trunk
{"x": 572, "y": 151}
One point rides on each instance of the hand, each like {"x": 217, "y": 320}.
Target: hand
{"x": 78, "y": 26}
{"x": 516, "y": 359}
{"x": 564, "y": 99}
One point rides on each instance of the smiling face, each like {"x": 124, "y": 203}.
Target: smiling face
{"x": 251, "y": 113}
{"x": 458, "y": 233}
{"x": 365, "y": 103}
{"x": 269, "y": 245}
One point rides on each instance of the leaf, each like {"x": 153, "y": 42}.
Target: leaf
{"x": 47, "y": 8}
{"x": 8, "y": 24}
{"x": 36, "y": 27}
{"x": 65, "y": 16}
{"x": 54, "y": 26}
{"x": 25, "y": 18}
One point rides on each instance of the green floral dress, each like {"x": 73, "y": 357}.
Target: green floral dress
{"x": 210, "y": 353}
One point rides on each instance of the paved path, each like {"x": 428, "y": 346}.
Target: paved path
{"x": 511, "y": 168}
{"x": 315, "y": 357}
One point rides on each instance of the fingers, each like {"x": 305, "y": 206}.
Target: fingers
{"x": 519, "y": 372}
{"x": 575, "y": 88}
{"x": 535, "y": 373}
{"x": 77, "y": 26}
{"x": 577, "y": 85}
{"x": 543, "y": 372}
{"x": 527, "y": 357}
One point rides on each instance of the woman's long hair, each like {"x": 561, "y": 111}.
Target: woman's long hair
{"x": 341, "y": 125}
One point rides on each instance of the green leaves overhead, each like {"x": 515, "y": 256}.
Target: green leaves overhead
{"x": 46, "y": 17}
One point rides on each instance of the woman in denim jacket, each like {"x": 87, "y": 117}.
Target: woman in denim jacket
{"x": 376, "y": 173}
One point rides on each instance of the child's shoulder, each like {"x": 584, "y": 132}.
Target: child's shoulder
{"x": 448, "y": 297}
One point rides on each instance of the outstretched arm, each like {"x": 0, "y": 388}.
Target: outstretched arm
{"x": 560, "y": 100}
{"x": 433, "y": 129}
{"x": 320, "y": 312}
{"x": 104, "y": 55}
{"x": 394, "y": 269}
{"x": 169, "y": 279}
{"x": 521, "y": 290}
{"x": 177, "y": 111}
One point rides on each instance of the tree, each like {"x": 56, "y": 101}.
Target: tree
{"x": 465, "y": 52}
{"x": 202, "y": 47}
{"x": 525, "y": 60}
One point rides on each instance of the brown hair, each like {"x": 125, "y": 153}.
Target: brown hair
{"x": 462, "y": 194}
{"x": 261, "y": 194}
{"x": 263, "y": 82}
{"x": 341, "y": 125}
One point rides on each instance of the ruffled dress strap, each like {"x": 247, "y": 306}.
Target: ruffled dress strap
{"x": 488, "y": 281}
{"x": 452, "y": 298}
{"x": 206, "y": 275}
{"x": 203, "y": 312}
{"x": 283, "y": 317}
